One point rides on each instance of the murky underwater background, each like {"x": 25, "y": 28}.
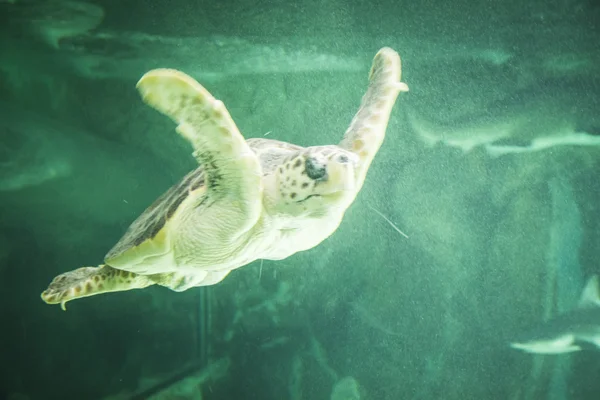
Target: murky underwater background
{"x": 490, "y": 165}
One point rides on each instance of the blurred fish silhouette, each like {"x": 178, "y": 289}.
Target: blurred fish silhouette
{"x": 125, "y": 55}
{"x": 575, "y": 330}
{"x": 32, "y": 150}
{"x": 550, "y": 113}
{"x": 50, "y": 21}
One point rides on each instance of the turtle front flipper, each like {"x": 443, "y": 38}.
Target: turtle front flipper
{"x": 232, "y": 169}
{"x": 367, "y": 130}
{"x": 89, "y": 281}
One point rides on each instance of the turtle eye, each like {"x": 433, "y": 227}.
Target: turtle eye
{"x": 315, "y": 170}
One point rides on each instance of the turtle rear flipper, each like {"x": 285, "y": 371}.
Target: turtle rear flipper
{"x": 89, "y": 281}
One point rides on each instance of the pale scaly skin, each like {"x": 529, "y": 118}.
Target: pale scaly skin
{"x": 88, "y": 281}
{"x": 262, "y": 198}
{"x": 232, "y": 168}
{"x": 367, "y": 130}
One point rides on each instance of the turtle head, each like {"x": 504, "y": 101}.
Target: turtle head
{"x": 314, "y": 181}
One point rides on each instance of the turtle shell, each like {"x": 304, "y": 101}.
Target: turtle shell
{"x": 148, "y": 225}
{"x": 143, "y": 237}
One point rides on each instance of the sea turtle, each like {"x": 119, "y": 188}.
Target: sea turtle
{"x": 249, "y": 199}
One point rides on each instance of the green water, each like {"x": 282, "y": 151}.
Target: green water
{"x": 489, "y": 166}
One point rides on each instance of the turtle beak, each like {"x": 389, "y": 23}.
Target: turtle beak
{"x": 339, "y": 176}
{"x": 342, "y": 176}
